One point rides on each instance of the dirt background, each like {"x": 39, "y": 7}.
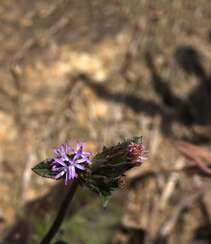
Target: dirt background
{"x": 101, "y": 71}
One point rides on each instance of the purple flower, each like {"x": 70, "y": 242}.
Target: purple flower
{"x": 137, "y": 153}
{"x": 68, "y": 162}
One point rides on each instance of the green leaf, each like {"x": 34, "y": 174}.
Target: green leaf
{"x": 107, "y": 167}
{"x": 43, "y": 169}
{"x": 137, "y": 139}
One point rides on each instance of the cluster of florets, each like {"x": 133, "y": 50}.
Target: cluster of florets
{"x": 69, "y": 162}
{"x": 137, "y": 153}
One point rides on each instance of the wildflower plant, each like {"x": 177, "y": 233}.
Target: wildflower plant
{"x": 101, "y": 172}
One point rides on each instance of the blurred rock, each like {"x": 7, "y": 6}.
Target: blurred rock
{"x": 8, "y": 130}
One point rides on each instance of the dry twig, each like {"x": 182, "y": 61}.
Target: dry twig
{"x": 197, "y": 154}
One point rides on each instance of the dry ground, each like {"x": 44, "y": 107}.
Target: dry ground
{"x": 101, "y": 71}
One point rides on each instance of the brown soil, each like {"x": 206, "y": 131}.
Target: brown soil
{"x": 101, "y": 71}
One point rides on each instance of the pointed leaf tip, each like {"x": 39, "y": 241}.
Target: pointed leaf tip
{"x": 43, "y": 169}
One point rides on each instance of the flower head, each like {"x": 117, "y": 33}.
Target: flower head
{"x": 107, "y": 170}
{"x": 137, "y": 153}
{"x": 68, "y": 162}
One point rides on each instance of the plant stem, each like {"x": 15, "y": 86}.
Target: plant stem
{"x": 61, "y": 214}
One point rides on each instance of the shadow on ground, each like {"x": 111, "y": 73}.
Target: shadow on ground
{"x": 193, "y": 110}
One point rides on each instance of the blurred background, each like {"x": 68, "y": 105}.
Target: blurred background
{"x": 101, "y": 71}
